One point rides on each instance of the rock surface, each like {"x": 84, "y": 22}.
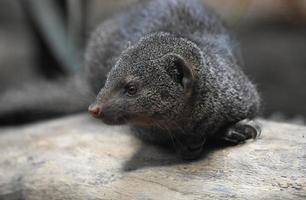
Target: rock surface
{"x": 80, "y": 158}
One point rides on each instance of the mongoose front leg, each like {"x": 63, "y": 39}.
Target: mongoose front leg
{"x": 190, "y": 148}
{"x": 241, "y": 131}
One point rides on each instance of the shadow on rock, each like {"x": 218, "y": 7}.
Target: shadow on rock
{"x": 149, "y": 155}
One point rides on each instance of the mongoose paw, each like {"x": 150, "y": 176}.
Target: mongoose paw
{"x": 242, "y": 131}
{"x": 190, "y": 152}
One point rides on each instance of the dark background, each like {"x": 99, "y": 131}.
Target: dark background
{"x": 272, "y": 34}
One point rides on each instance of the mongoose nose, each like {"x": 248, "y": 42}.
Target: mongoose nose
{"x": 95, "y": 110}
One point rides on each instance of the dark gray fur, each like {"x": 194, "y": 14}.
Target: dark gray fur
{"x": 142, "y": 44}
{"x": 138, "y": 44}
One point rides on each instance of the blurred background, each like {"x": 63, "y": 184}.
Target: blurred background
{"x": 45, "y": 39}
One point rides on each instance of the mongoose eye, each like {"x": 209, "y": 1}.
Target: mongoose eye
{"x": 131, "y": 89}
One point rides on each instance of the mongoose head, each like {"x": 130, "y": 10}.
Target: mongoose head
{"x": 150, "y": 85}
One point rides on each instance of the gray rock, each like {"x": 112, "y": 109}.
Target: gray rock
{"x": 80, "y": 158}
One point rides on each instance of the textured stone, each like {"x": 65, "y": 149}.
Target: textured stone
{"x": 80, "y": 158}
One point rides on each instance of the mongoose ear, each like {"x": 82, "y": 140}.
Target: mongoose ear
{"x": 184, "y": 72}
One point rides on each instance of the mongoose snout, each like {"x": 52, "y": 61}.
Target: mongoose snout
{"x": 95, "y": 110}
{"x": 107, "y": 113}
{"x": 100, "y": 112}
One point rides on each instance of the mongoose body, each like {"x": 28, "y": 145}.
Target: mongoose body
{"x": 172, "y": 71}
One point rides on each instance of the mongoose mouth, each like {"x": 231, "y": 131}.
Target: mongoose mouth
{"x": 115, "y": 121}
{"x": 106, "y": 116}
{"x": 141, "y": 121}
{"x": 112, "y": 118}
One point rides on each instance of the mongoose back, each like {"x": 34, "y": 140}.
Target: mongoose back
{"x": 171, "y": 70}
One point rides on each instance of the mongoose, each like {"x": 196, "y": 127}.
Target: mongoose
{"x": 174, "y": 74}
{"x": 172, "y": 71}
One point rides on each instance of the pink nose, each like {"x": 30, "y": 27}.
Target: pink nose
{"x": 95, "y": 110}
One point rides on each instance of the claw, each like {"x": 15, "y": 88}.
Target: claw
{"x": 241, "y": 131}
{"x": 191, "y": 151}
{"x": 252, "y": 127}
